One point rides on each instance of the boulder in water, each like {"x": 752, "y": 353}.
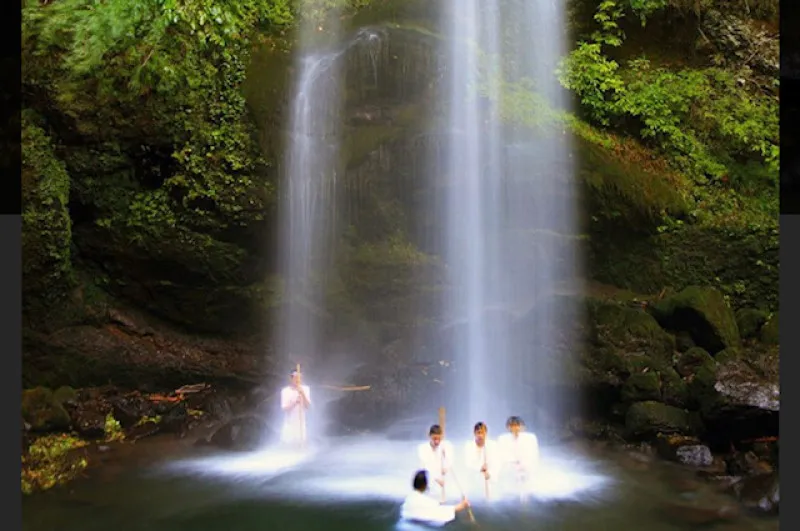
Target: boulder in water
{"x": 685, "y": 450}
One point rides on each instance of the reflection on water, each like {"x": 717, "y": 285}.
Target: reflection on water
{"x": 376, "y": 469}
{"x": 358, "y": 483}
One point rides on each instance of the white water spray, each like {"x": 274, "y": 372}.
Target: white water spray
{"x": 508, "y": 216}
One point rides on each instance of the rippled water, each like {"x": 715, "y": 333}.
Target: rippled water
{"x": 358, "y": 483}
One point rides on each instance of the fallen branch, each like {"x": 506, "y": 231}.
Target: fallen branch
{"x": 348, "y": 387}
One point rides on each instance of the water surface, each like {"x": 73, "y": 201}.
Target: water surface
{"x": 358, "y": 484}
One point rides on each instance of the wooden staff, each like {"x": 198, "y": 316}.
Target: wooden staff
{"x": 452, "y": 472}
{"x": 302, "y": 408}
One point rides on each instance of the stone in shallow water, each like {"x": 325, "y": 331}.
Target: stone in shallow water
{"x": 696, "y": 455}
{"x": 760, "y": 493}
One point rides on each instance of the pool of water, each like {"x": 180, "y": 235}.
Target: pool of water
{"x": 358, "y": 483}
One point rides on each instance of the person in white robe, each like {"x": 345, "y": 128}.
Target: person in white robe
{"x": 421, "y": 508}
{"x": 520, "y": 452}
{"x": 295, "y": 401}
{"x": 482, "y": 460}
{"x": 437, "y": 457}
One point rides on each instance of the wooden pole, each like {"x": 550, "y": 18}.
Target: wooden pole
{"x": 452, "y": 472}
{"x": 302, "y": 410}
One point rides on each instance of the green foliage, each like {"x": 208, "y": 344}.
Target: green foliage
{"x": 112, "y": 429}
{"x": 594, "y": 78}
{"x": 175, "y": 70}
{"x": 607, "y": 16}
{"x": 49, "y": 462}
{"x": 46, "y": 225}
{"x": 710, "y": 127}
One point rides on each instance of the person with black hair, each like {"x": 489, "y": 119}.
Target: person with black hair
{"x": 480, "y": 457}
{"x": 422, "y": 508}
{"x": 520, "y": 449}
{"x": 295, "y": 400}
{"x": 436, "y": 456}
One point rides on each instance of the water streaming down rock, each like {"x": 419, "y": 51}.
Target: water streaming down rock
{"x": 508, "y": 216}
{"x": 309, "y": 198}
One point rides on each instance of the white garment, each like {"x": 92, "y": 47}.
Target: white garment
{"x": 522, "y": 453}
{"x": 474, "y": 459}
{"x": 419, "y": 507}
{"x": 433, "y": 460}
{"x": 294, "y": 421}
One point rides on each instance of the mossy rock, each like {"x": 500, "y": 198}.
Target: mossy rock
{"x": 691, "y": 360}
{"x": 64, "y": 394}
{"x": 641, "y": 387}
{"x": 630, "y": 330}
{"x": 42, "y": 411}
{"x": 649, "y": 418}
{"x": 703, "y": 313}
{"x": 674, "y": 390}
{"x": 728, "y": 355}
{"x": 750, "y": 321}
{"x": 743, "y": 264}
{"x": 770, "y": 333}
{"x": 702, "y": 394}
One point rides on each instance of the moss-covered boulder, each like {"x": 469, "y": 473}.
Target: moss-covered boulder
{"x": 629, "y": 333}
{"x": 770, "y": 333}
{"x": 649, "y": 418}
{"x": 641, "y": 387}
{"x": 703, "y": 313}
{"x": 674, "y": 389}
{"x": 64, "y": 394}
{"x": 690, "y": 361}
{"x": 728, "y": 355}
{"x": 42, "y": 411}
{"x": 750, "y": 321}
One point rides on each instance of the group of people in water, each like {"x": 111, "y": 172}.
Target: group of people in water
{"x": 513, "y": 458}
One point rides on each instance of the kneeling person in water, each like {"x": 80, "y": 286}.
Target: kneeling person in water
{"x": 419, "y": 507}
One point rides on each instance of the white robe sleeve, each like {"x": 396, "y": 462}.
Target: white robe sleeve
{"x": 307, "y": 391}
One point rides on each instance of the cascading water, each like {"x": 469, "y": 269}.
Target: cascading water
{"x": 309, "y": 200}
{"x": 507, "y": 215}
{"x": 502, "y": 190}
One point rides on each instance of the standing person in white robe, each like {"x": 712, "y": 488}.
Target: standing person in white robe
{"x": 419, "y": 507}
{"x": 482, "y": 460}
{"x": 437, "y": 457}
{"x": 295, "y": 401}
{"x": 520, "y": 451}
